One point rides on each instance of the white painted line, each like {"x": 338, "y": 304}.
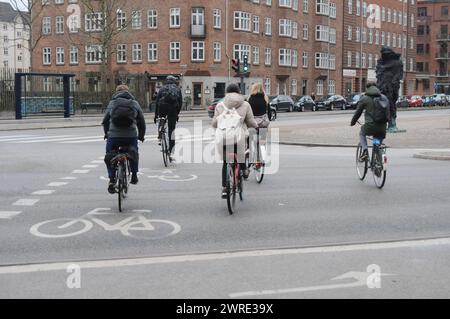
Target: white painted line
{"x": 8, "y": 214}
{"x": 44, "y": 192}
{"x": 57, "y": 184}
{"x": 98, "y": 162}
{"x": 14, "y": 136}
{"x": 27, "y": 139}
{"x": 80, "y": 171}
{"x": 69, "y": 178}
{"x": 26, "y": 202}
{"x": 90, "y": 166}
{"x": 225, "y": 255}
{"x": 52, "y": 139}
{"x": 83, "y": 141}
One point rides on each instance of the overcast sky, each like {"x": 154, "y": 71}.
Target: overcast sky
{"x": 20, "y": 2}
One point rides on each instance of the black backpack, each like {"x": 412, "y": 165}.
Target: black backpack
{"x": 122, "y": 115}
{"x": 169, "y": 96}
{"x": 381, "y": 110}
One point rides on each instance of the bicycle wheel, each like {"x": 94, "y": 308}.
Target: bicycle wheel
{"x": 240, "y": 179}
{"x": 231, "y": 189}
{"x": 120, "y": 173}
{"x": 259, "y": 165}
{"x": 379, "y": 173}
{"x": 361, "y": 166}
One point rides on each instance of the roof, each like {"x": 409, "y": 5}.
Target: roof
{"x": 7, "y": 13}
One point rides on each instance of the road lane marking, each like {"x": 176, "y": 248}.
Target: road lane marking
{"x": 26, "y": 202}
{"x": 80, "y": 171}
{"x": 44, "y": 192}
{"x": 55, "y": 139}
{"x": 14, "y": 136}
{"x": 23, "y": 139}
{"x": 90, "y": 166}
{"x": 8, "y": 214}
{"x": 57, "y": 184}
{"x": 70, "y": 178}
{"x": 414, "y": 243}
{"x": 97, "y": 162}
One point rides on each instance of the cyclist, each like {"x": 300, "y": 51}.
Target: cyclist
{"x": 371, "y": 127}
{"x": 122, "y": 117}
{"x": 234, "y": 99}
{"x": 168, "y": 103}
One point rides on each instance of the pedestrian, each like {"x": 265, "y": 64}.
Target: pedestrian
{"x": 313, "y": 96}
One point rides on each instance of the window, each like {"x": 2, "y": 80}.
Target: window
{"x": 93, "y": 22}
{"x": 294, "y": 58}
{"x": 121, "y": 20}
{"x": 285, "y": 3}
{"x": 285, "y": 29}
{"x": 93, "y": 54}
{"x": 198, "y": 51}
{"x": 73, "y": 24}
{"x": 285, "y": 58}
{"x": 305, "y": 6}
{"x": 332, "y": 10}
{"x": 152, "y": 52}
{"x": 255, "y": 57}
{"x": 198, "y": 16}
{"x": 358, "y": 7}
{"x": 377, "y": 37}
{"x": 136, "y": 20}
{"x": 60, "y": 24}
{"x": 322, "y": 33}
{"x": 121, "y": 53}
{"x": 152, "y": 19}
{"x": 394, "y": 16}
{"x": 137, "y": 53}
{"x": 174, "y": 55}
{"x": 349, "y": 59}
{"x": 350, "y": 6}
{"x": 268, "y": 56}
{"x": 388, "y": 41}
{"x": 333, "y": 35}
{"x": 59, "y": 56}
{"x": 255, "y": 24}
{"x": 217, "y": 19}
{"x": 241, "y": 21}
{"x": 358, "y": 34}
{"x": 349, "y": 33}
{"x": 294, "y": 87}
{"x": 383, "y": 38}
{"x": 46, "y": 56}
{"x": 295, "y": 5}
{"x": 371, "y": 36}
{"x": 331, "y": 87}
{"x": 363, "y": 59}
{"x": 240, "y": 50}
{"x": 357, "y": 60}
{"x": 217, "y": 51}
{"x": 319, "y": 87}
{"x": 73, "y": 55}
{"x": 323, "y": 7}
{"x": 322, "y": 61}
{"x": 370, "y": 61}
{"x": 305, "y": 59}
{"x": 388, "y": 15}
{"x": 46, "y": 25}
{"x": 175, "y": 20}
{"x": 268, "y": 26}
{"x": 305, "y": 32}
{"x": 394, "y": 41}
{"x": 267, "y": 86}
{"x": 294, "y": 30}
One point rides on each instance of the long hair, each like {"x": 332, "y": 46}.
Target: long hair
{"x": 258, "y": 88}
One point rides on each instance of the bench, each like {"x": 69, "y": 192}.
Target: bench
{"x": 92, "y": 105}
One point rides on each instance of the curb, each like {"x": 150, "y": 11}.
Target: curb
{"x": 433, "y": 156}
{"x": 316, "y": 144}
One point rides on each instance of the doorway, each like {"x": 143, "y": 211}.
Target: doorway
{"x": 197, "y": 95}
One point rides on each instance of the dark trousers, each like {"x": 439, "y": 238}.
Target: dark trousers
{"x": 115, "y": 142}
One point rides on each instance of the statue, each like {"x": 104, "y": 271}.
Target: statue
{"x": 389, "y": 74}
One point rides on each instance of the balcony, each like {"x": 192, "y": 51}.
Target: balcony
{"x": 443, "y": 56}
{"x": 443, "y": 37}
{"x": 198, "y": 31}
{"x": 441, "y": 75}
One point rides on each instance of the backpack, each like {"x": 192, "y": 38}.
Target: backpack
{"x": 229, "y": 130}
{"x": 381, "y": 110}
{"x": 169, "y": 95}
{"x": 122, "y": 115}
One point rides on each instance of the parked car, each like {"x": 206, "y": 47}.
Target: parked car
{"x": 282, "y": 102}
{"x": 402, "y": 101}
{"x": 332, "y": 102}
{"x": 428, "y": 100}
{"x": 440, "y": 99}
{"x": 305, "y": 103}
{"x": 415, "y": 101}
{"x": 353, "y": 99}
{"x": 212, "y": 107}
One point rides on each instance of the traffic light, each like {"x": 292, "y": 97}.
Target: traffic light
{"x": 245, "y": 66}
{"x": 236, "y": 65}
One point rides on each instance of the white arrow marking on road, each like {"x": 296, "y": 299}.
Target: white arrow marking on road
{"x": 44, "y": 192}
{"x": 26, "y": 202}
{"x": 9, "y": 214}
{"x": 361, "y": 281}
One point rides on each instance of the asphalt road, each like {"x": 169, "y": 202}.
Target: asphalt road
{"x": 310, "y": 222}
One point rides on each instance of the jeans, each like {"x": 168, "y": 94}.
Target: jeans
{"x": 114, "y": 142}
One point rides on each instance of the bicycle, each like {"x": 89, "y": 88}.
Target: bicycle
{"x": 163, "y": 137}
{"x": 377, "y": 162}
{"x": 259, "y": 164}
{"x": 272, "y": 113}
{"x": 121, "y": 163}
{"x": 234, "y": 180}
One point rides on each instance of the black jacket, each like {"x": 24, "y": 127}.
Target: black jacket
{"x": 171, "y": 110}
{"x": 258, "y": 104}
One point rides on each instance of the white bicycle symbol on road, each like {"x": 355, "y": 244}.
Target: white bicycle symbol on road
{"x": 136, "y": 225}
{"x": 168, "y": 175}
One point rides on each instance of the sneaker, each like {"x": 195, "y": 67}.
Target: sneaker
{"x": 224, "y": 193}
{"x": 364, "y": 156}
{"x": 245, "y": 173}
{"x": 134, "y": 179}
{"x": 112, "y": 186}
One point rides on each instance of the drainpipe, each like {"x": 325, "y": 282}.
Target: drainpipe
{"x": 226, "y": 40}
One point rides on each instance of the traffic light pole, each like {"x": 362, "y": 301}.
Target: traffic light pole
{"x": 242, "y": 84}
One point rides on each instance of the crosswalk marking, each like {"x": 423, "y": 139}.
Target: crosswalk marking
{"x": 8, "y": 214}
{"x": 26, "y": 202}
{"x": 44, "y": 192}
{"x": 57, "y": 184}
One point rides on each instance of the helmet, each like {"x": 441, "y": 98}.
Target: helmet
{"x": 171, "y": 79}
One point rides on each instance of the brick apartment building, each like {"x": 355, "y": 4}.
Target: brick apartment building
{"x": 433, "y": 47}
{"x": 295, "y": 47}
{"x": 364, "y": 38}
